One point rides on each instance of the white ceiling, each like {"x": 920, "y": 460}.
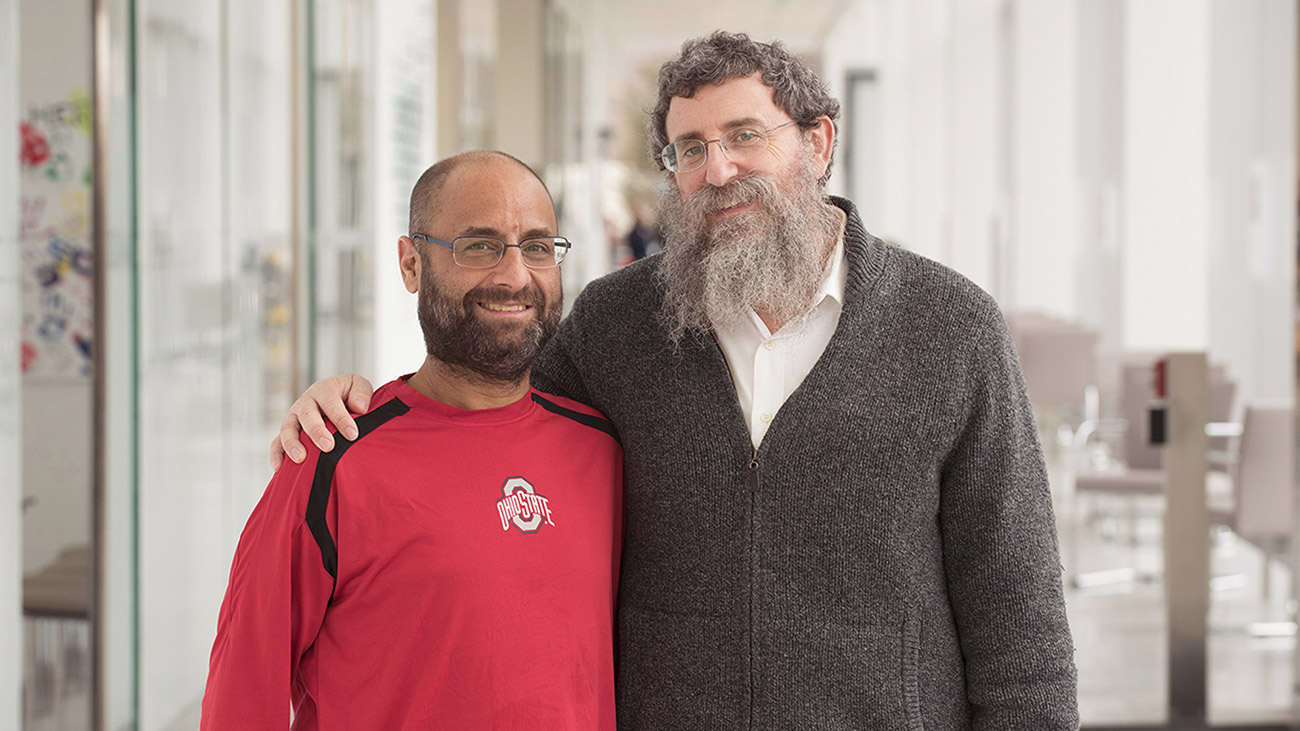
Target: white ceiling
{"x": 660, "y": 26}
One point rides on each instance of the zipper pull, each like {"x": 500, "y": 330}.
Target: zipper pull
{"x": 753, "y": 462}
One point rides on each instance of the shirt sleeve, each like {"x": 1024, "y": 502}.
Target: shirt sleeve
{"x": 1001, "y": 556}
{"x": 274, "y": 605}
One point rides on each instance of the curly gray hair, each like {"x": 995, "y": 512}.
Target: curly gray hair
{"x": 722, "y": 56}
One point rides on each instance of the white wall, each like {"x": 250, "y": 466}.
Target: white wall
{"x": 976, "y": 114}
{"x": 975, "y": 174}
{"x": 56, "y": 450}
{"x": 1251, "y": 217}
{"x": 855, "y": 43}
{"x": 1043, "y": 176}
{"x": 1126, "y": 164}
{"x": 1165, "y": 181}
{"x": 1099, "y": 159}
{"x": 927, "y": 214}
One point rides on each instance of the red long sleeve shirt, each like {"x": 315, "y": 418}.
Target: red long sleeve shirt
{"x": 448, "y": 569}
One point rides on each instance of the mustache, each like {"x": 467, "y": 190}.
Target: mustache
{"x": 744, "y": 189}
{"x": 526, "y": 295}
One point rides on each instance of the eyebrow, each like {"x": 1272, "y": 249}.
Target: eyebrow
{"x": 733, "y": 124}
{"x": 497, "y": 234}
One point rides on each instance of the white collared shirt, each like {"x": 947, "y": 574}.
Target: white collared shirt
{"x": 767, "y": 367}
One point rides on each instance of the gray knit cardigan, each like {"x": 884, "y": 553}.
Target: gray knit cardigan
{"x": 886, "y": 559}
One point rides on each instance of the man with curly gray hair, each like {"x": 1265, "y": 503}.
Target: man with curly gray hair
{"x": 837, "y": 510}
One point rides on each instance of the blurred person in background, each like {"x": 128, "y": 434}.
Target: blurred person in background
{"x": 837, "y": 509}
{"x": 643, "y": 238}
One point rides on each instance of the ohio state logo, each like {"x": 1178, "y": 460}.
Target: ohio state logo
{"x": 522, "y": 506}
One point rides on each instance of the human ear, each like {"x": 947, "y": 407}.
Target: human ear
{"x": 408, "y": 258}
{"x": 822, "y": 139}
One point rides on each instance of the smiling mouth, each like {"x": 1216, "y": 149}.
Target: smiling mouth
{"x": 729, "y": 210}
{"x": 495, "y": 307}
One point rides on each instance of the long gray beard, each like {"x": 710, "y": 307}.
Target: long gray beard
{"x": 769, "y": 259}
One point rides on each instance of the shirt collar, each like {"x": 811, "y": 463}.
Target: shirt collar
{"x": 834, "y": 276}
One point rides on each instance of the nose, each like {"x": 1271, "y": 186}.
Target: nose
{"x": 718, "y": 168}
{"x": 510, "y": 271}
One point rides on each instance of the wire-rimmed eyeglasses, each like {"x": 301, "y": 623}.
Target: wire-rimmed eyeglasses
{"x": 485, "y": 252}
{"x": 683, "y": 156}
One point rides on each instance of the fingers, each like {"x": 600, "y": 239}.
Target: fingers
{"x": 288, "y": 438}
{"x": 324, "y": 400}
{"x": 277, "y": 454}
{"x": 309, "y": 417}
{"x": 358, "y": 392}
{"x": 337, "y": 412}
{"x": 330, "y": 396}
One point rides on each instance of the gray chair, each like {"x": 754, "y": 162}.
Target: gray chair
{"x": 1143, "y": 472}
{"x": 1254, "y": 496}
{"x": 1259, "y": 504}
{"x": 1142, "y": 475}
{"x": 1058, "y": 359}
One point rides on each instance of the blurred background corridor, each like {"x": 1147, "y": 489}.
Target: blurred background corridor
{"x": 200, "y": 212}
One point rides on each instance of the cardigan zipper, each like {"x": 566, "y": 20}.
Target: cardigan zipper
{"x": 753, "y": 581}
{"x": 753, "y": 558}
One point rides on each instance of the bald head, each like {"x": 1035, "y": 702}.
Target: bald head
{"x": 427, "y": 193}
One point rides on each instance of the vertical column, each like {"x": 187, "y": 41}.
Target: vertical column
{"x": 971, "y": 123}
{"x": 1295, "y": 161}
{"x": 1251, "y": 229}
{"x": 520, "y": 80}
{"x": 116, "y": 604}
{"x": 10, "y": 461}
{"x": 1187, "y": 534}
{"x": 1099, "y": 160}
{"x": 1165, "y": 183}
{"x": 595, "y": 133}
{"x": 301, "y": 183}
{"x": 100, "y": 94}
{"x": 1044, "y": 179}
{"x": 450, "y": 77}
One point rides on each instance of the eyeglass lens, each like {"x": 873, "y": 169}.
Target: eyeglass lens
{"x": 538, "y": 253}
{"x": 737, "y": 144}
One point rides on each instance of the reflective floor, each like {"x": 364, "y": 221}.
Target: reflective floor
{"x": 1117, "y": 616}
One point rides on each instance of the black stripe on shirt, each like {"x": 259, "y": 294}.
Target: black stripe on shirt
{"x": 324, "y": 480}
{"x": 595, "y": 422}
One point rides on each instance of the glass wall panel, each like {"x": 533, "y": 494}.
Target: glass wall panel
{"x": 343, "y": 172}
{"x": 182, "y": 260}
{"x": 258, "y": 197}
{"x": 214, "y": 337}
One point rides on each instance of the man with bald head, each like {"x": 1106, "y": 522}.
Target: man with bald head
{"x": 452, "y": 564}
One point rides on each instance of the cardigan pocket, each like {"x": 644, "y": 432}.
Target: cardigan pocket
{"x": 681, "y": 671}
{"x": 837, "y": 675}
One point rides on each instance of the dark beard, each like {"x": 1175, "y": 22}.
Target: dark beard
{"x": 455, "y": 335}
{"x": 769, "y": 259}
